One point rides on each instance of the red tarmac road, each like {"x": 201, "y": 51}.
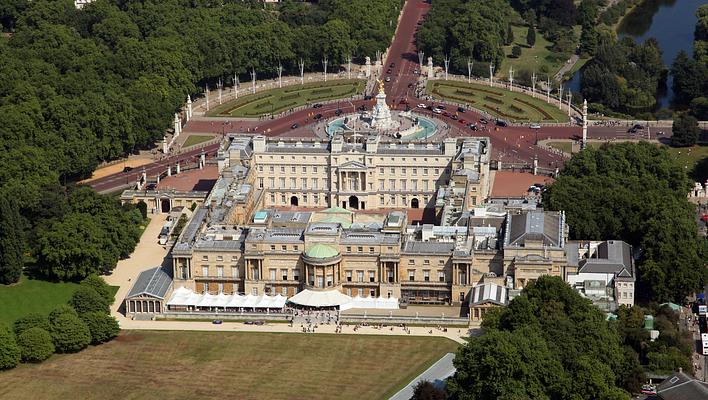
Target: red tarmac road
{"x": 509, "y": 144}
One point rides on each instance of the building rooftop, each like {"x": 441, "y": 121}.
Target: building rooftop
{"x": 489, "y": 293}
{"x": 417, "y": 247}
{"x": 680, "y": 386}
{"x": 611, "y": 257}
{"x": 321, "y": 251}
{"x": 154, "y": 282}
{"x": 544, "y": 226}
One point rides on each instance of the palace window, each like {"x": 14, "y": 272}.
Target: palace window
{"x": 271, "y": 182}
{"x": 360, "y": 292}
{"x": 292, "y": 169}
{"x": 220, "y": 271}
{"x": 234, "y": 271}
{"x": 205, "y": 258}
{"x": 360, "y": 249}
{"x": 372, "y": 276}
{"x": 254, "y": 291}
{"x": 441, "y": 276}
{"x": 205, "y": 271}
{"x": 272, "y": 247}
{"x": 349, "y": 249}
{"x": 296, "y": 274}
{"x": 219, "y": 258}
{"x": 282, "y": 169}
{"x": 284, "y": 274}
{"x": 411, "y": 275}
{"x": 221, "y": 287}
{"x": 284, "y": 291}
{"x": 349, "y": 276}
{"x": 260, "y": 168}
{"x": 284, "y": 248}
{"x": 360, "y": 276}
{"x": 304, "y": 169}
{"x": 372, "y": 292}
{"x": 273, "y": 272}
{"x": 371, "y": 249}
{"x": 271, "y": 169}
{"x": 426, "y": 275}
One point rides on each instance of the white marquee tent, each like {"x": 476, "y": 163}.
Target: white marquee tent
{"x": 186, "y": 298}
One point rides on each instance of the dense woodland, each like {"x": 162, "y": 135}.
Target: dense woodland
{"x": 83, "y": 86}
{"x": 636, "y": 193}
{"x": 551, "y": 343}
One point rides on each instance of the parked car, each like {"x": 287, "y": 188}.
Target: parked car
{"x": 460, "y": 109}
{"x": 535, "y": 126}
{"x": 483, "y": 121}
{"x": 437, "y": 111}
{"x": 388, "y": 79}
{"x": 454, "y": 117}
{"x": 501, "y": 122}
{"x": 151, "y": 186}
{"x": 421, "y": 105}
{"x": 473, "y": 127}
{"x": 317, "y": 105}
{"x": 294, "y": 126}
{"x": 317, "y": 116}
{"x": 127, "y": 169}
{"x": 217, "y": 322}
{"x": 441, "y": 106}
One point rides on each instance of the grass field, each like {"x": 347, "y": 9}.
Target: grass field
{"x": 278, "y": 100}
{"x": 30, "y": 295}
{"x": 210, "y": 365}
{"x": 501, "y": 103}
{"x": 690, "y": 157}
{"x": 538, "y": 58}
{"x": 194, "y": 140}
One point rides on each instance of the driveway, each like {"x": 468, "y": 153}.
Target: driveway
{"x": 437, "y": 373}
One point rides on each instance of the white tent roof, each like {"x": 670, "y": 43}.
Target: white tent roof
{"x": 317, "y": 298}
{"x": 186, "y": 297}
{"x": 386, "y": 303}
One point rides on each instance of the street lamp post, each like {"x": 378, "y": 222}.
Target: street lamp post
{"x": 324, "y": 63}
{"x": 470, "y": 64}
{"x": 253, "y": 80}
{"x": 491, "y": 74}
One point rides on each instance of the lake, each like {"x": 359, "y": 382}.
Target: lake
{"x": 671, "y": 22}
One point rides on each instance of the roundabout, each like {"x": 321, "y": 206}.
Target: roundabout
{"x": 403, "y": 125}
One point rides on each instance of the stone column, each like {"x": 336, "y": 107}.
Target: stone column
{"x": 430, "y": 67}
{"x": 368, "y": 67}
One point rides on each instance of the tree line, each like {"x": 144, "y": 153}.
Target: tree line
{"x": 84, "y": 86}
{"x": 624, "y": 76}
{"x": 67, "y": 329}
{"x": 551, "y": 343}
{"x": 636, "y": 193}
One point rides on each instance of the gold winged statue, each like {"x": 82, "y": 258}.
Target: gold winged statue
{"x": 381, "y": 85}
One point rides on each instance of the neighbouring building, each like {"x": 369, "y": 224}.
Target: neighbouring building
{"x": 603, "y": 272}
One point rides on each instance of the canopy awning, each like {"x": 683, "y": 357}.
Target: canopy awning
{"x": 323, "y": 298}
{"x": 386, "y": 303}
{"x": 186, "y": 297}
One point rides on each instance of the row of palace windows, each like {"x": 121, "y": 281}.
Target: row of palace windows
{"x": 405, "y": 184}
{"x": 220, "y": 271}
{"x": 371, "y": 160}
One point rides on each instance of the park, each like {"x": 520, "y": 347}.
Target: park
{"x": 278, "y": 100}
{"x": 498, "y": 102}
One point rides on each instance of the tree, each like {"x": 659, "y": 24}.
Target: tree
{"x": 685, "y": 130}
{"x": 531, "y": 36}
{"x": 100, "y": 286}
{"x": 516, "y": 51}
{"x": 425, "y": 390}
{"x": 86, "y": 299}
{"x": 32, "y": 320}
{"x": 509, "y": 35}
{"x": 142, "y": 206}
{"x": 9, "y": 350}
{"x": 69, "y": 333}
{"x": 35, "y": 345}
{"x": 636, "y": 193}
{"x": 11, "y": 241}
{"x": 103, "y": 327}
{"x": 59, "y": 311}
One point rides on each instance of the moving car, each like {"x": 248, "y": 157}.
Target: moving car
{"x": 535, "y": 126}
{"x": 217, "y": 322}
{"x": 454, "y": 117}
{"x": 421, "y": 105}
{"x": 501, "y": 122}
{"x": 388, "y": 79}
{"x": 388, "y": 71}
{"x": 294, "y": 126}
{"x": 317, "y": 105}
{"x": 473, "y": 127}
{"x": 483, "y": 121}
{"x": 317, "y": 116}
{"x": 127, "y": 169}
{"x": 437, "y": 110}
{"x": 460, "y": 109}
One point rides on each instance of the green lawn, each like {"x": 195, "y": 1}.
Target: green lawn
{"x": 194, "y": 140}
{"x": 499, "y": 102}
{"x": 538, "y": 58}
{"x": 690, "y": 157}
{"x": 208, "y": 365}
{"x": 278, "y": 100}
{"x": 31, "y": 295}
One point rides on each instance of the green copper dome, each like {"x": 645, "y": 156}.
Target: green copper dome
{"x": 337, "y": 210}
{"x": 321, "y": 251}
